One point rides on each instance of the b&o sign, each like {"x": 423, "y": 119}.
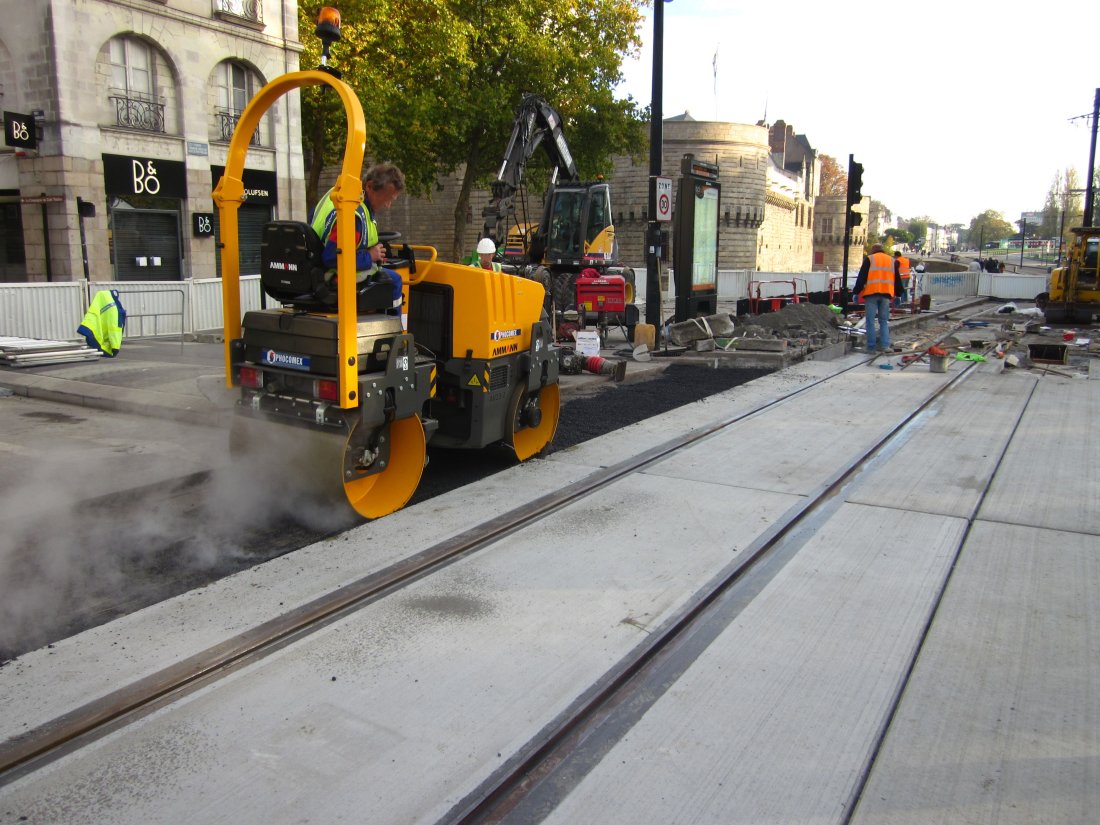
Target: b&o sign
{"x": 125, "y": 175}
{"x": 19, "y": 131}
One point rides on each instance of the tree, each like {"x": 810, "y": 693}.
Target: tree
{"x": 834, "y": 180}
{"x": 439, "y": 81}
{"x": 989, "y": 227}
{"x": 1064, "y": 206}
{"x": 918, "y": 230}
{"x": 900, "y": 236}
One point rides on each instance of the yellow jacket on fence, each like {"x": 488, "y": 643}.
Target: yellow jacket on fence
{"x": 104, "y": 323}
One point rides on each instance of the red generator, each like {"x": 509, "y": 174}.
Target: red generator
{"x": 600, "y": 293}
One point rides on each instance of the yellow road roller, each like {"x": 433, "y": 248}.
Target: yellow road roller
{"x": 337, "y": 384}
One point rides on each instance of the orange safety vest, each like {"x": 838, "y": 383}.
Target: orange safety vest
{"x": 903, "y": 264}
{"x": 880, "y": 277}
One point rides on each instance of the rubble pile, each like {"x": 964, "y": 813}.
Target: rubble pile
{"x": 810, "y": 322}
{"x": 811, "y": 325}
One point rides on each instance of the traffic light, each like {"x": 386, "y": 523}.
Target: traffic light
{"x": 855, "y": 181}
{"x": 856, "y": 218}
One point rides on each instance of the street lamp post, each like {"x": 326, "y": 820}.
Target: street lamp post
{"x": 1023, "y": 239}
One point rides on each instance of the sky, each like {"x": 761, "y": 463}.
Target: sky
{"x": 956, "y": 110}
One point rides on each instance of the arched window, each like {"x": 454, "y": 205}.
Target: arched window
{"x": 132, "y": 68}
{"x": 235, "y": 83}
{"x": 133, "y": 85}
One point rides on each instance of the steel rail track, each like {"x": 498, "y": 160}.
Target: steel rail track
{"x": 644, "y": 672}
{"x": 69, "y": 732}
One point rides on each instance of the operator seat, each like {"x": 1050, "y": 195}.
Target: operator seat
{"x": 292, "y": 273}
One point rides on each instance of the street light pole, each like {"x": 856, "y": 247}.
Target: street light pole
{"x": 1061, "y": 232}
{"x": 656, "y": 149}
{"x": 1023, "y": 239}
{"x": 1090, "y": 192}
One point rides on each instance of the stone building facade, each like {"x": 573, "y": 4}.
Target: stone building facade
{"x": 769, "y": 182}
{"x": 136, "y": 102}
{"x": 829, "y": 235}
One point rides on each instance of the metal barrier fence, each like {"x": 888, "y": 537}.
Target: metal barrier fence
{"x": 54, "y": 311}
{"x": 154, "y": 308}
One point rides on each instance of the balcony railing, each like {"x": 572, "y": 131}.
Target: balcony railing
{"x": 137, "y": 112}
{"x": 250, "y": 10}
{"x": 227, "y": 123}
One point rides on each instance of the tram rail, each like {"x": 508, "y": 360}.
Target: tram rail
{"x": 62, "y": 735}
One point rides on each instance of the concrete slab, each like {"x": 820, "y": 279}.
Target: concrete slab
{"x": 795, "y": 452}
{"x": 1000, "y": 722}
{"x": 1051, "y": 473}
{"x": 946, "y": 467}
{"x": 774, "y": 721}
{"x": 396, "y": 712}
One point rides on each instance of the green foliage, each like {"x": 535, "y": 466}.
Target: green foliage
{"x": 989, "y": 227}
{"x": 439, "y": 81}
{"x": 918, "y": 230}
{"x": 899, "y": 236}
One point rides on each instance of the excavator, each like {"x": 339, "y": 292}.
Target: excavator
{"x": 1073, "y": 291}
{"x": 333, "y": 382}
{"x": 1073, "y": 294}
{"x": 575, "y": 233}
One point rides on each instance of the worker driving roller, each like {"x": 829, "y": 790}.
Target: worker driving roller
{"x": 382, "y": 183}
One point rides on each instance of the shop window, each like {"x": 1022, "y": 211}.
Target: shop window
{"x": 13, "y": 259}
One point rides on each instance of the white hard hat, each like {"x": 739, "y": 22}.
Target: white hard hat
{"x": 486, "y": 245}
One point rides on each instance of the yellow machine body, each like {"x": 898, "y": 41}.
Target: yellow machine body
{"x": 1073, "y": 294}
{"x": 348, "y": 394}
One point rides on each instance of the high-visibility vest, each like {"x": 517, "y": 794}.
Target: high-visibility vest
{"x": 880, "y": 276}
{"x": 903, "y": 265}
{"x": 366, "y": 230}
{"x": 104, "y": 323}
{"x": 494, "y": 266}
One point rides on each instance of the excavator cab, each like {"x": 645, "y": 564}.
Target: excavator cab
{"x": 578, "y": 226}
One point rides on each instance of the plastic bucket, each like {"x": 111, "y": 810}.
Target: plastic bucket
{"x": 937, "y": 363}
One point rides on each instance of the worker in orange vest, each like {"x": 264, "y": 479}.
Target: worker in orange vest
{"x": 904, "y": 272}
{"x": 879, "y": 280}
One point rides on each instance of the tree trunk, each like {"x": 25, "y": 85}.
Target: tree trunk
{"x": 463, "y": 203}
{"x": 317, "y": 162}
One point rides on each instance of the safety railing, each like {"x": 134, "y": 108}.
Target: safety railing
{"x": 151, "y": 304}
{"x": 133, "y": 112}
{"x": 773, "y": 301}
